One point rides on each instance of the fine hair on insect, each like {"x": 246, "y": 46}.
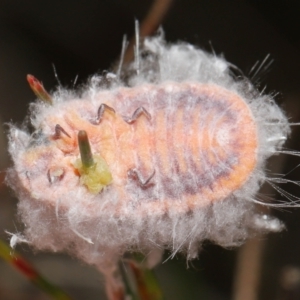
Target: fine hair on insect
{"x": 162, "y": 153}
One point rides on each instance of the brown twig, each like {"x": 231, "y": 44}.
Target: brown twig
{"x": 150, "y": 24}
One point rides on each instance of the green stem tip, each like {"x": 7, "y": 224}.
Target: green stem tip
{"x": 85, "y": 149}
{"x": 38, "y": 88}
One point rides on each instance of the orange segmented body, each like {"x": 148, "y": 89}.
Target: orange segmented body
{"x": 170, "y": 146}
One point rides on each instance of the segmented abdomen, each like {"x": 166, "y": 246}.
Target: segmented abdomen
{"x": 201, "y": 142}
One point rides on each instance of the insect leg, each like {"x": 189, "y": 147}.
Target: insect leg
{"x": 59, "y": 130}
{"x": 135, "y": 175}
{"x": 138, "y": 112}
{"x": 102, "y": 108}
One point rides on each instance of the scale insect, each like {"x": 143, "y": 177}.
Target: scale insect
{"x": 166, "y": 158}
{"x": 189, "y": 151}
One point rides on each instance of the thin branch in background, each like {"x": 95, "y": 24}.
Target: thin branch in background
{"x": 150, "y": 24}
{"x": 247, "y": 274}
{"x": 250, "y": 257}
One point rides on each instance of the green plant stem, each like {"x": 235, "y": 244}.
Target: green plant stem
{"x": 24, "y": 267}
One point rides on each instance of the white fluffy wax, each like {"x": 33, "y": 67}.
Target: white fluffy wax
{"x": 77, "y": 222}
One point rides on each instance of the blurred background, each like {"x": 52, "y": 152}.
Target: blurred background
{"x": 82, "y": 38}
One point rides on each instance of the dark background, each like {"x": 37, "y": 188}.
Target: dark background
{"x": 84, "y": 37}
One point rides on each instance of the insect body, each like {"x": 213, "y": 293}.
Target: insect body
{"x": 180, "y": 145}
{"x": 177, "y": 152}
